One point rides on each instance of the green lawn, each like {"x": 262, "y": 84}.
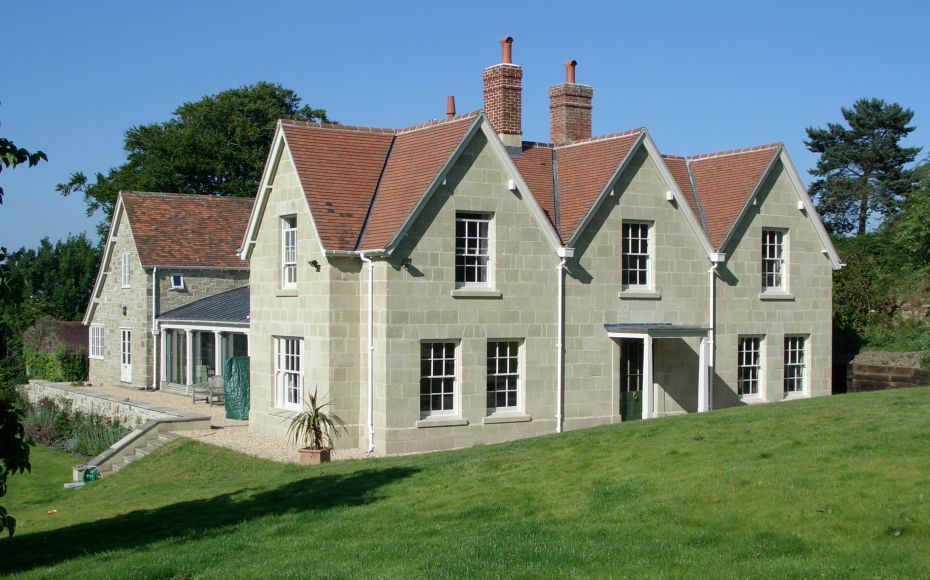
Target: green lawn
{"x": 836, "y": 487}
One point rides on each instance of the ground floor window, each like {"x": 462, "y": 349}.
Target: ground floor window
{"x": 503, "y": 375}
{"x": 289, "y": 372}
{"x": 96, "y": 341}
{"x": 795, "y": 365}
{"x": 204, "y": 355}
{"x": 749, "y": 366}
{"x": 437, "y": 378}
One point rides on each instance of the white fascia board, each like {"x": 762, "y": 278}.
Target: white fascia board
{"x": 514, "y": 174}
{"x": 258, "y": 208}
{"x": 680, "y": 201}
{"x": 811, "y": 211}
{"x": 603, "y": 195}
{"x": 107, "y": 251}
{"x": 437, "y": 182}
{"x": 749, "y": 200}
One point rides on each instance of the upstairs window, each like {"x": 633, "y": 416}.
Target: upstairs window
{"x": 749, "y": 366}
{"x": 636, "y": 262}
{"x": 795, "y": 365}
{"x": 289, "y": 252}
{"x": 126, "y": 270}
{"x": 177, "y": 282}
{"x": 472, "y": 249}
{"x": 773, "y": 260}
{"x": 96, "y": 341}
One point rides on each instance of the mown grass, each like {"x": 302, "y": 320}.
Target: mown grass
{"x": 836, "y": 487}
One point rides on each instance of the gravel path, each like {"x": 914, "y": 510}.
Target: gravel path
{"x": 223, "y": 432}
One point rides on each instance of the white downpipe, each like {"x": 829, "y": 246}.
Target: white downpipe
{"x": 371, "y": 350}
{"x": 712, "y": 325}
{"x": 154, "y": 329}
{"x": 560, "y": 351}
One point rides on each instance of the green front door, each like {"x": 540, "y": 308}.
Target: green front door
{"x": 631, "y": 379}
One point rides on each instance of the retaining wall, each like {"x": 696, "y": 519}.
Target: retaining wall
{"x": 861, "y": 378}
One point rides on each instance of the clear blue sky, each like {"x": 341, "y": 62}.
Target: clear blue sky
{"x": 702, "y": 76}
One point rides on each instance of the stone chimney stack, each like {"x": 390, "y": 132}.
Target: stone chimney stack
{"x": 503, "y": 97}
{"x": 570, "y": 109}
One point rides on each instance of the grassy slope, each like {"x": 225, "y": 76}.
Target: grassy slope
{"x": 795, "y": 489}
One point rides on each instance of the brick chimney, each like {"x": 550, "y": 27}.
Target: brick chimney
{"x": 570, "y": 109}
{"x": 503, "y": 97}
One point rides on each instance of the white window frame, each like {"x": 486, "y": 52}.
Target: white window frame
{"x": 176, "y": 281}
{"x": 95, "y": 341}
{"x": 440, "y": 374}
{"x": 125, "y": 270}
{"x": 464, "y": 250}
{"x": 494, "y": 371}
{"x": 774, "y": 255}
{"x": 626, "y": 248}
{"x": 742, "y": 363}
{"x": 796, "y": 358}
{"x": 284, "y": 358}
{"x": 289, "y": 252}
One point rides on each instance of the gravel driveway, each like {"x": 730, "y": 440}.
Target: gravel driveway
{"x": 224, "y": 432}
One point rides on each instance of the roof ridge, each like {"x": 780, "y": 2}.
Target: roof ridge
{"x": 428, "y": 124}
{"x": 608, "y": 137}
{"x": 730, "y": 152}
{"x": 187, "y": 195}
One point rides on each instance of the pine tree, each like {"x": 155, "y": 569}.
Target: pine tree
{"x": 861, "y": 171}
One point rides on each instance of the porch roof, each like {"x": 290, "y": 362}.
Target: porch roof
{"x": 230, "y": 307}
{"x": 655, "y": 329}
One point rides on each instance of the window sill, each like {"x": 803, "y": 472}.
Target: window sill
{"x": 506, "y": 418}
{"x": 285, "y": 292}
{"x": 795, "y": 396}
{"x": 751, "y": 399}
{"x": 94, "y": 357}
{"x": 639, "y": 295}
{"x": 282, "y": 413}
{"x": 777, "y": 296}
{"x": 476, "y": 293}
{"x": 441, "y": 422}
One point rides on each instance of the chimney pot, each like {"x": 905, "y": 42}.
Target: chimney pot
{"x": 506, "y": 46}
{"x": 450, "y": 107}
{"x": 570, "y": 71}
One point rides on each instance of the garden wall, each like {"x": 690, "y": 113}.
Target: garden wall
{"x": 860, "y": 377}
{"x": 129, "y": 413}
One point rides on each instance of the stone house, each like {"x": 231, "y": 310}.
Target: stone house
{"x": 451, "y": 284}
{"x": 163, "y": 251}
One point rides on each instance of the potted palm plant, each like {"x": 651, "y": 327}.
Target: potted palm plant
{"x": 316, "y": 427}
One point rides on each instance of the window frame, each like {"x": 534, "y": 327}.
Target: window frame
{"x": 759, "y": 367}
{"x": 780, "y": 261}
{"x": 454, "y": 377}
{"x": 288, "y": 227}
{"x": 518, "y": 373}
{"x": 648, "y": 255}
{"x": 95, "y": 341}
{"x": 125, "y": 270}
{"x": 488, "y": 264}
{"x": 280, "y": 372}
{"x": 180, "y": 281}
{"x": 803, "y": 376}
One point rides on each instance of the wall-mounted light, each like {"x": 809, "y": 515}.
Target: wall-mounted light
{"x": 124, "y": 311}
{"x": 406, "y": 262}
{"x": 315, "y": 264}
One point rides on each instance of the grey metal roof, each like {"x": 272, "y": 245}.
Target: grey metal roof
{"x": 231, "y": 306}
{"x": 654, "y": 328}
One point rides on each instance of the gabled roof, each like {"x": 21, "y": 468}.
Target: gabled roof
{"x": 176, "y": 230}
{"x": 231, "y": 307}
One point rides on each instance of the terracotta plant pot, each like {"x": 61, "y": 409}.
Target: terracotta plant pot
{"x": 310, "y": 456}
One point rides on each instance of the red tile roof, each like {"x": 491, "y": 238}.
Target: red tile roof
{"x": 535, "y": 165}
{"x": 416, "y": 158}
{"x": 172, "y": 229}
{"x": 723, "y": 183}
{"x": 338, "y": 168}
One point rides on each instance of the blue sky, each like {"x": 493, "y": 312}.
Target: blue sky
{"x": 702, "y": 76}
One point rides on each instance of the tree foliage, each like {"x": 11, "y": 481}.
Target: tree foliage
{"x": 14, "y": 454}
{"x": 217, "y": 146}
{"x": 11, "y": 156}
{"x": 861, "y": 171}
{"x": 911, "y": 228}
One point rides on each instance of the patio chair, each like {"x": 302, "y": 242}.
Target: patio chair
{"x": 215, "y": 390}
{"x": 199, "y": 390}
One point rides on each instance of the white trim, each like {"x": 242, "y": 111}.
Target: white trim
{"x": 280, "y": 397}
{"x": 650, "y": 285}
{"x": 456, "y": 409}
{"x": 521, "y": 378}
{"x": 104, "y": 263}
{"x": 180, "y": 283}
{"x": 204, "y": 327}
{"x": 806, "y": 367}
{"x": 762, "y": 369}
{"x": 286, "y": 228}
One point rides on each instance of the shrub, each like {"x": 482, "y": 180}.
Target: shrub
{"x": 56, "y": 426}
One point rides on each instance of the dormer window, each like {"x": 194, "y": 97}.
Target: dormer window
{"x": 472, "y": 249}
{"x": 289, "y": 252}
{"x": 177, "y": 282}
